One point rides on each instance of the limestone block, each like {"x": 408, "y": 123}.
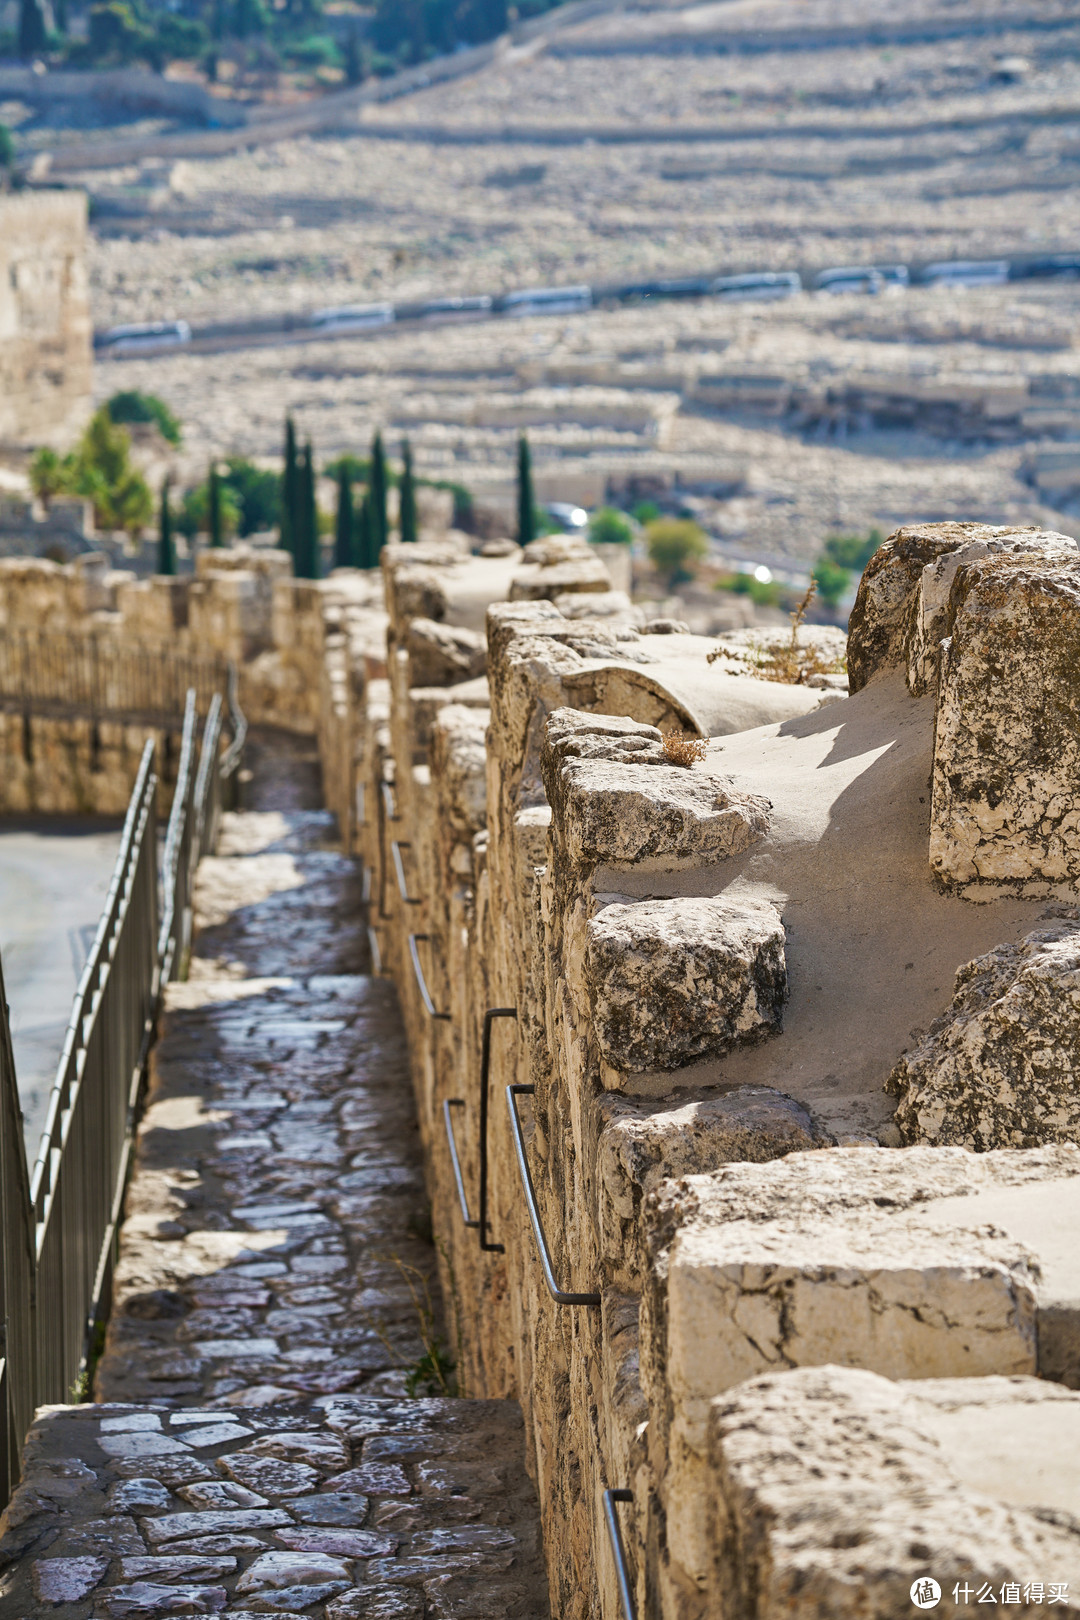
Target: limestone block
{"x": 881, "y": 624}
{"x": 533, "y": 583}
{"x": 917, "y": 1262}
{"x": 641, "y": 1145}
{"x": 458, "y": 764}
{"x": 674, "y": 980}
{"x": 441, "y": 654}
{"x": 998, "y": 1068}
{"x": 939, "y": 592}
{"x": 834, "y": 1491}
{"x": 600, "y": 605}
{"x": 425, "y": 703}
{"x": 607, "y": 810}
{"x": 1004, "y": 807}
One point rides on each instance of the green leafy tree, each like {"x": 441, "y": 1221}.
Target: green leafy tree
{"x": 130, "y": 406}
{"x": 407, "y": 509}
{"x": 289, "y": 491}
{"x": 607, "y": 527}
{"x": 343, "y": 523}
{"x": 852, "y": 551}
{"x": 831, "y": 580}
{"x": 115, "y": 33}
{"x": 646, "y": 512}
{"x": 526, "y": 502}
{"x": 257, "y": 492}
{"x": 100, "y": 470}
{"x": 49, "y": 474}
{"x": 377, "y": 492}
{"x": 675, "y": 547}
{"x": 193, "y": 517}
{"x": 166, "y": 544}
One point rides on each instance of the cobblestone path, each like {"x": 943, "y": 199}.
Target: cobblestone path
{"x": 253, "y": 1447}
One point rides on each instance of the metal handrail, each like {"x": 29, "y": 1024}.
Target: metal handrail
{"x": 559, "y": 1295}
{"x": 622, "y": 1574}
{"x": 389, "y": 799}
{"x": 421, "y": 982}
{"x": 376, "y": 953}
{"x": 448, "y": 1103}
{"x": 361, "y": 804}
{"x": 485, "y": 1071}
{"x": 175, "y": 935}
{"x": 230, "y": 761}
{"x": 396, "y": 847}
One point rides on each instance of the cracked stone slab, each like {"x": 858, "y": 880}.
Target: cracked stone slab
{"x": 833, "y": 1491}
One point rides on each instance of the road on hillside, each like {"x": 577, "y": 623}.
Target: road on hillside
{"x": 54, "y": 876}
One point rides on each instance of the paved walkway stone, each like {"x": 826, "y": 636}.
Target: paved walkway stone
{"x": 256, "y": 1445}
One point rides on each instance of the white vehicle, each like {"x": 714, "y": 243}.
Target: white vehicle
{"x": 352, "y": 318}
{"x": 546, "y": 301}
{"x": 766, "y": 284}
{"x": 967, "y": 273}
{"x": 144, "y": 335}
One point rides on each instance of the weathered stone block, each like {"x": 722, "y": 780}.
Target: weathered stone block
{"x": 674, "y": 980}
{"x": 998, "y": 1068}
{"x": 1005, "y": 805}
{"x": 896, "y": 616}
{"x": 606, "y": 810}
{"x": 834, "y": 1491}
{"x": 440, "y": 654}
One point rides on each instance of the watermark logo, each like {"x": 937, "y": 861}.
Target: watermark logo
{"x": 925, "y": 1593}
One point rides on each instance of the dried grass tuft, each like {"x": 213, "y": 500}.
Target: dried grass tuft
{"x": 684, "y": 750}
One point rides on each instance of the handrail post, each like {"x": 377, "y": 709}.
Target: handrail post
{"x": 561, "y": 1296}
{"x": 485, "y": 1072}
{"x": 421, "y": 982}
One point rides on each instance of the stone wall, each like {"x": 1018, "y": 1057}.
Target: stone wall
{"x": 750, "y": 1104}
{"x": 45, "y": 331}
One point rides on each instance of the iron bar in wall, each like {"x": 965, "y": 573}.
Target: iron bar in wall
{"x": 421, "y": 982}
{"x": 622, "y": 1573}
{"x": 396, "y": 847}
{"x": 560, "y": 1295}
{"x": 485, "y": 1074}
{"x": 448, "y": 1104}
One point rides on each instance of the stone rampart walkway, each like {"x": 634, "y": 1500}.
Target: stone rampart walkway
{"x": 273, "y": 1430}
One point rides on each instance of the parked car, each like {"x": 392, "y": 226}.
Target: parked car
{"x": 352, "y": 318}
{"x": 966, "y": 273}
{"x": 759, "y": 284}
{"x": 571, "y": 517}
{"x": 143, "y": 335}
{"x": 545, "y": 301}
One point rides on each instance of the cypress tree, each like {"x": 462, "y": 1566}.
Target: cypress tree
{"x": 288, "y": 491}
{"x": 166, "y": 545}
{"x": 365, "y": 544}
{"x": 214, "y": 501}
{"x": 343, "y": 529}
{"x": 307, "y": 530}
{"x": 377, "y": 494}
{"x": 525, "y": 500}
{"x": 408, "y": 495}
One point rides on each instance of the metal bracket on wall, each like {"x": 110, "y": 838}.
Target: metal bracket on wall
{"x": 622, "y": 1574}
{"x": 389, "y": 801}
{"x": 421, "y": 982}
{"x": 396, "y": 847}
{"x": 559, "y": 1295}
{"x": 448, "y": 1103}
{"x": 485, "y": 1070}
{"x": 376, "y": 953}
